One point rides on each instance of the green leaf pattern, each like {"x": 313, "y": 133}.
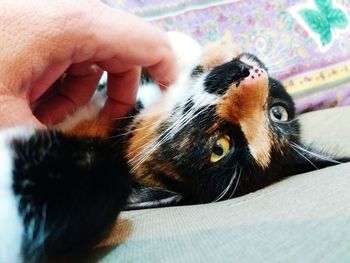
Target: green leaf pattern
{"x": 324, "y": 20}
{"x": 326, "y": 36}
{"x": 316, "y": 20}
{"x": 337, "y": 19}
{"x": 324, "y": 5}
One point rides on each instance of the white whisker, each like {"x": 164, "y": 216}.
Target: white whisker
{"x": 322, "y": 157}
{"x": 173, "y": 129}
{"x": 302, "y": 155}
{"x": 287, "y": 133}
{"x": 235, "y": 188}
{"x": 228, "y": 187}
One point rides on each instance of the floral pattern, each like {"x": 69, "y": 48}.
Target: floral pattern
{"x": 293, "y": 37}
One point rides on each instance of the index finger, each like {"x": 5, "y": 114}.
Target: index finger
{"x": 120, "y": 35}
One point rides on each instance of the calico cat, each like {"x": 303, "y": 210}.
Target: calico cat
{"x": 224, "y": 129}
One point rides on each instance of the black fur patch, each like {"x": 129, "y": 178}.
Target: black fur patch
{"x": 223, "y": 76}
{"x": 71, "y": 189}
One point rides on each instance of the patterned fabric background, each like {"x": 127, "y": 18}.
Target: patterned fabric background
{"x": 308, "y": 50}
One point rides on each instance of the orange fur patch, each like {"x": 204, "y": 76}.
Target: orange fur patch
{"x": 245, "y": 106}
{"x": 93, "y": 128}
{"x": 144, "y": 138}
{"x": 145, "y": 131}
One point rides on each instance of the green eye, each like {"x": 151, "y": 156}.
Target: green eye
{"x": 220, "y": 149}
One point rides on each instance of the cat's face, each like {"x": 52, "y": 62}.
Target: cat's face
{"x": 223, "y": 130}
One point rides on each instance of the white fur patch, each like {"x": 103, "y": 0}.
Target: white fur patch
{"x": 148, "y": 94}
{"x": 186, "y": 49}
{"x": 11, "y": 226}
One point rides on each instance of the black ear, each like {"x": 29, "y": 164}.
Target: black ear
{"x": 142, "y": 197}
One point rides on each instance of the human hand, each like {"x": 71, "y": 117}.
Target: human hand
{"x": 63, "y": 47}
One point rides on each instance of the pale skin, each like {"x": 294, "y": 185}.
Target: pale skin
{"x": 53, "y": 53}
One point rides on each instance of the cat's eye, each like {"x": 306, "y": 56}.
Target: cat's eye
{"x": 220, "y": 149}
{"x": 279, "y": 113}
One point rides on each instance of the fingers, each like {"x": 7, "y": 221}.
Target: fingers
{"x": 125, "y": 44}
{"x": 119, "y": 43}
{"x": 81, "y": 33}
{"x": 121, "y": 91}
{"x": 133, "y": 42}
{"x": 75, "y": 89}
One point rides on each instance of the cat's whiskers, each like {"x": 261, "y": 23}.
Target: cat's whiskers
{"x": 145, "y": 114}
{"x": 317, "y": 155}
{"x": 172, "y": 130}
{"x": 164, "y": 137}
{"x": 150, "y": 147}
{"x": 303, "y": 156}
{"x": 237, "y": 182}
{"x": 228, "y": 187}
{"x": 191, "y": 114}
{"x": 301, "y": 151}
{"x": 288, "y": 132}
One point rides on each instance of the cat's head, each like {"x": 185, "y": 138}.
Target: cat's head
{"x": 223, "y": 130}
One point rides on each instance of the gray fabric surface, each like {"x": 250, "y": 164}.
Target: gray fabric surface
{"x": 304, "y": 218}
{"x": 328, "y": 130}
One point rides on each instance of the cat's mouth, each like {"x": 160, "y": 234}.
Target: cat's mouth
{"x": 143, "y": 197}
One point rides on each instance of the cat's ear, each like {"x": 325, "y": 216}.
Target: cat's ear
{"x": 151, "y": 197}
{"x": 219, "y": 52}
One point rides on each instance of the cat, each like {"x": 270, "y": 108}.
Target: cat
{"x": 224, "y": 129}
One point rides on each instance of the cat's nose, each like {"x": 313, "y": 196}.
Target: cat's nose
{"x": 254, "y": 77}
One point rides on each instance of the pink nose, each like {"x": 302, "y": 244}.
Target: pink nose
{"x": 256, "y": 74}
{"x": 257, "y": 78}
